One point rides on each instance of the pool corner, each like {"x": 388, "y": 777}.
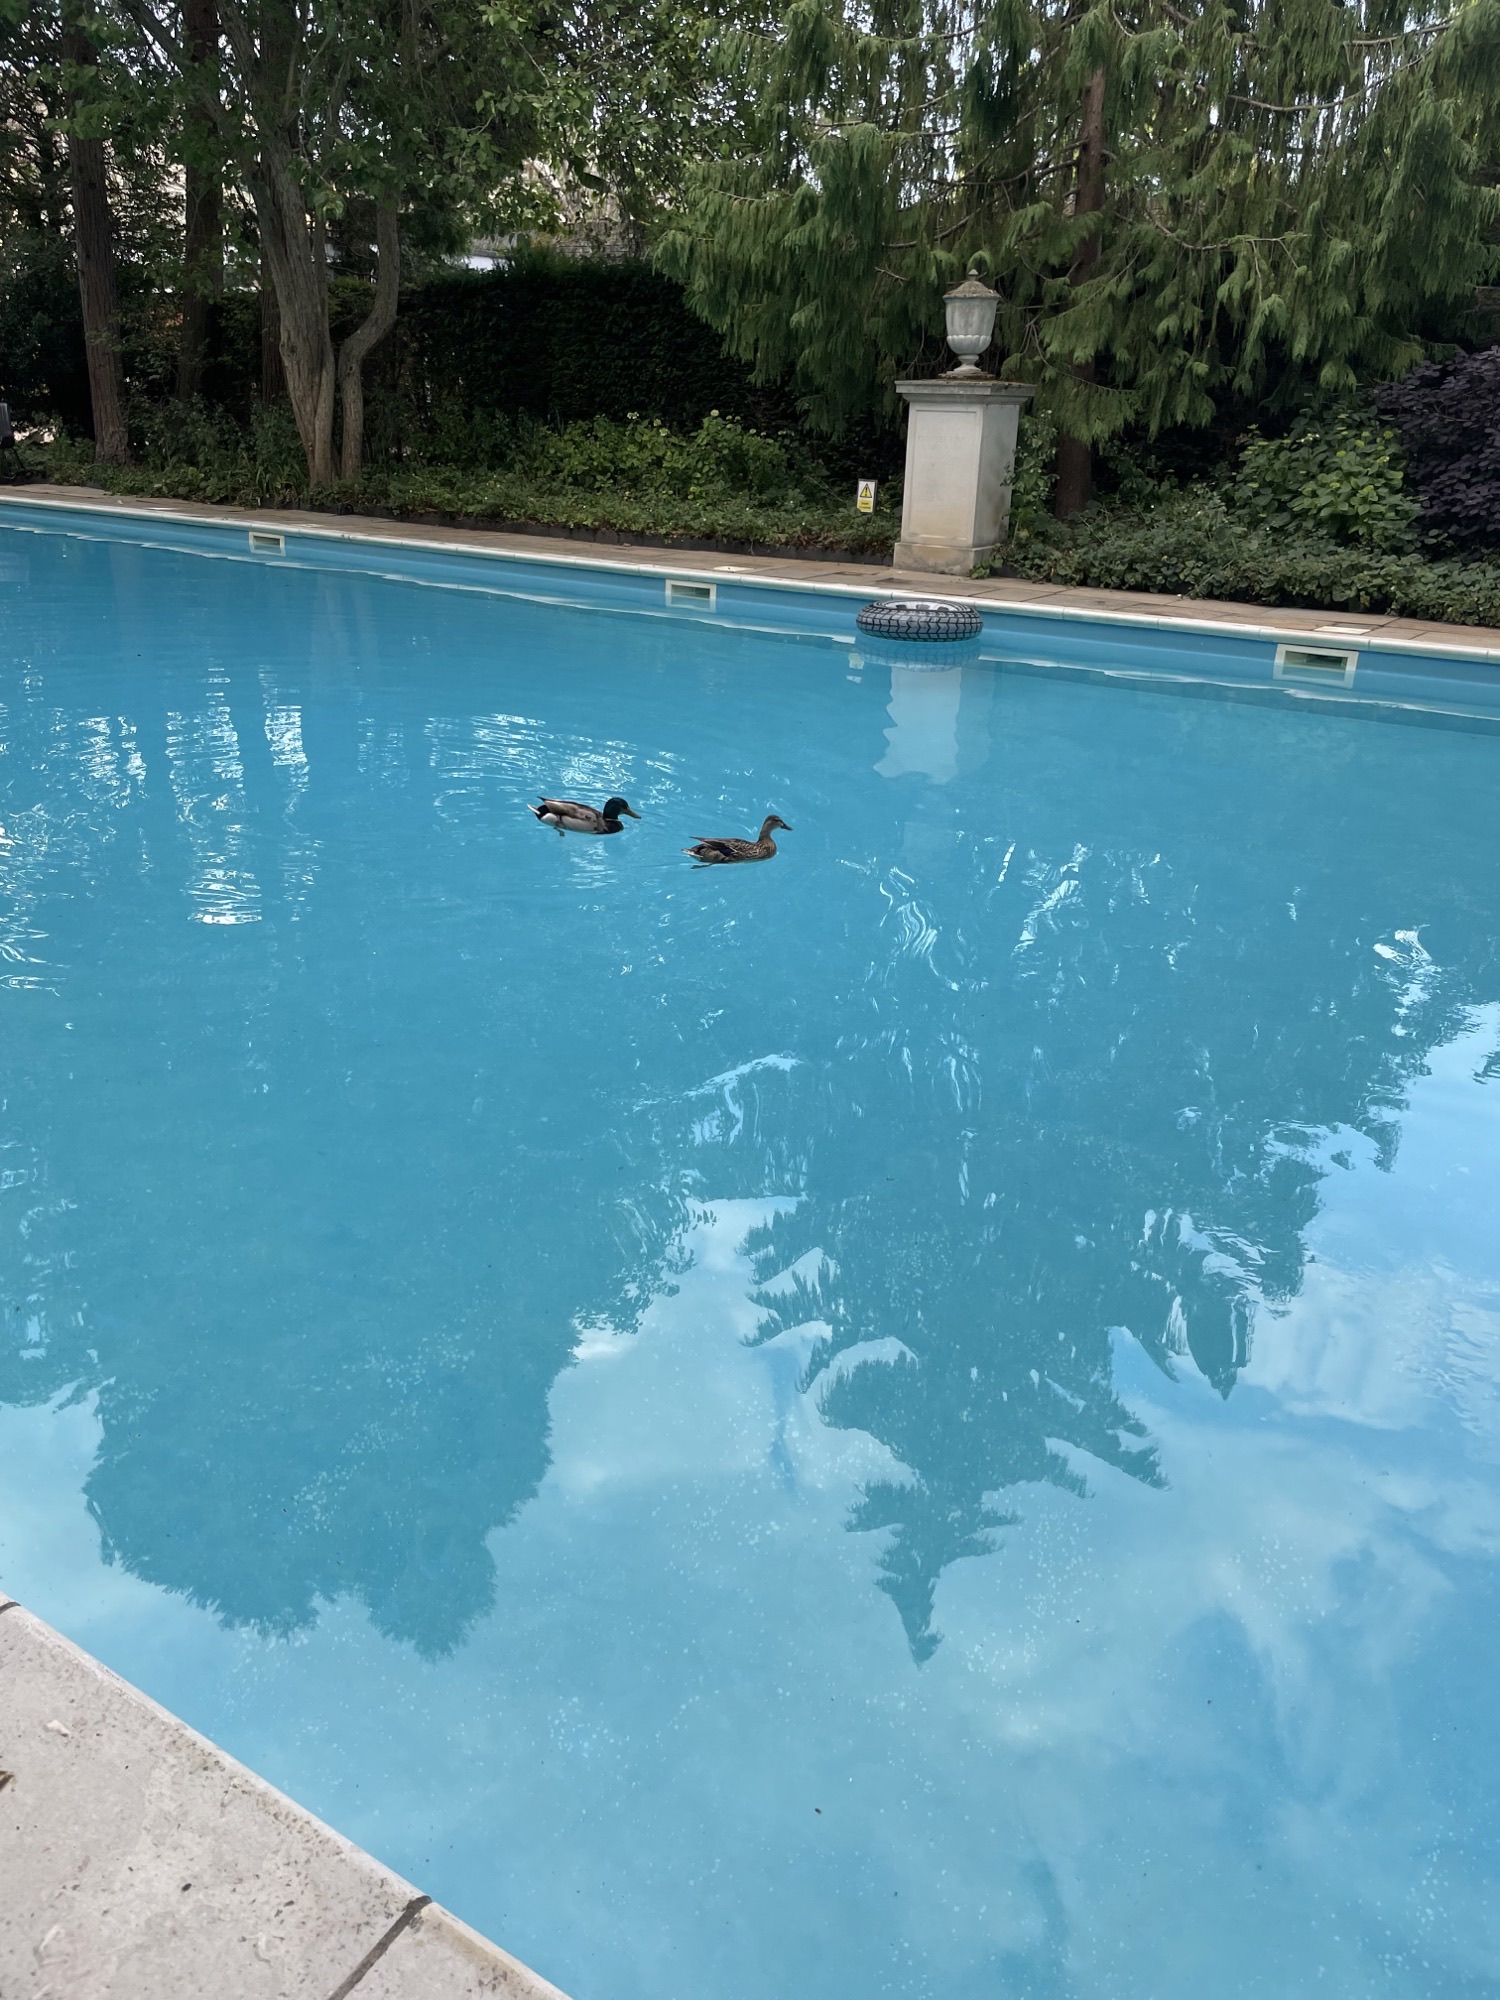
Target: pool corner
{"x": 143, "y": 1862}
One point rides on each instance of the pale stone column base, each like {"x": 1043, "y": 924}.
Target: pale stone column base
{"x": 942, "y": 558}
{"x": 960, "y": 458}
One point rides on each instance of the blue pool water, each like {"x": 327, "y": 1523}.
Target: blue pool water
{"x": 920, "y": 1420}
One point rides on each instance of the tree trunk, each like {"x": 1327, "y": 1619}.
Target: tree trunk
{"x": 203, "y": 241}
{"x": 292, "y": 253}
{"x": 272, "y": 379}
{"x": 1075, "y": 458}
{"x": 374, "y": 328}
{"x": 1075, "y": 470}
{"x": 93, "y": 229}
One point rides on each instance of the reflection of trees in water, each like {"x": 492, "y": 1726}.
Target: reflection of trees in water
{"x": 1056, "y": 1094}
{"x": 1115, "y": 1122}
{"x": 314, "y": 1256}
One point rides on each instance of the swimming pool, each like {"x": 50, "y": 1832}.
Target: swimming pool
{"x": 920, "y": 1419}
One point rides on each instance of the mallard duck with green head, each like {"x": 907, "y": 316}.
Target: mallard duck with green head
{"x": 570, "y": 816}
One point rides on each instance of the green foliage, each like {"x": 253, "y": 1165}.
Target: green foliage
{"x": 189, "y": 443}
{"x": 43, "y": 361}
{"x": 184, "y": 451}
{"x": 1197, "y": 544}
{"x": 1290, "y": 194}
{"x": 1319, "y": 518}
{"x": 43, "y": 365}
{"x": 722, "y": 458}
{"x": 634, "y": 90}
{"x": 1035, "y": 475}
{"x": 562, "y": 340}
{"x": 1343, "y": 479}
{"x": 723, "y": 483}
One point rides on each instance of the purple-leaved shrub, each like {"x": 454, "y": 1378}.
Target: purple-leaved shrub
{"x": 1447, "y": 414}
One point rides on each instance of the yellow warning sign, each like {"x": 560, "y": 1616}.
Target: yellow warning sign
{"x": 864, "y": 496}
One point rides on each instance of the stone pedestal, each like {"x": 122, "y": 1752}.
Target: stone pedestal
{"x": 960, "y": 456}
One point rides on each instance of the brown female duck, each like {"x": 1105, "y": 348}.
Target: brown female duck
{"x": 709, "y": 852}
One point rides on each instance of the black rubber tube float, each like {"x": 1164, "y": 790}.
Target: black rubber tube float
{"x": 920, "y": 618}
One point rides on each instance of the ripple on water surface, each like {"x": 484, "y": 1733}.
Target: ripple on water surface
{"x": 920, "y": 1419}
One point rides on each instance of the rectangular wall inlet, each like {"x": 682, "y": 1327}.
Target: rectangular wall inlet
{"x": 1316, "y": 666}
{"x": 264, "y": 543}
{"x": 692, "y": 596}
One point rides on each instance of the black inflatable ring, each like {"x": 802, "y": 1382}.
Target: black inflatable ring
{"x": 919, "y": 618}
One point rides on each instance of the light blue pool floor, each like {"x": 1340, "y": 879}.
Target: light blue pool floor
{"x": 921, "y": 1420}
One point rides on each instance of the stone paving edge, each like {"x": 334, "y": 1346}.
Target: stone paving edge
{"x": 1375, "y": 631}
{"x": 141, "y": 1862}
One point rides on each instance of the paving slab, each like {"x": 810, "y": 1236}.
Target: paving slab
{"x": 438, "y": 1958}
{"x": 139, "y": 1862}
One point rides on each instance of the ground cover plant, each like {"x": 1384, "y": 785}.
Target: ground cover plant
{"x": 1326, "y": 516}
{"x": 721, "y": 483}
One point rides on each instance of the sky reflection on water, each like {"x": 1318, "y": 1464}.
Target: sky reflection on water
{"x": 921, "y": 1419}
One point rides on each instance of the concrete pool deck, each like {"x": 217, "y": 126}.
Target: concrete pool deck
{"x": 1373, "y": 629}
{"x": 139, "y": 1862}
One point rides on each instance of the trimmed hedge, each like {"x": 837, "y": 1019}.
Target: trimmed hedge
{"x": 558, "y": 341}
{"x": 563, "y": 341}
{"x": 545, "y": 340}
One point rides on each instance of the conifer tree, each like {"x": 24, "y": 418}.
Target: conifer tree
{"x": 1176, "y": 204}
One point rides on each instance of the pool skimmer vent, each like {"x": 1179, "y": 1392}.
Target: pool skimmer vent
{"x": 692, "y": 596}
{"x": 265, "y": 542}
{"x": 1316, "y": 666}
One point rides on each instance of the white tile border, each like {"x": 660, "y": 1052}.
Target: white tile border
{"x": 1369, "y": 634}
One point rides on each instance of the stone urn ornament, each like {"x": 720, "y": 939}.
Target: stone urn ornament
{"x": 960, "y": 446}
{"x": 970, "y": 310}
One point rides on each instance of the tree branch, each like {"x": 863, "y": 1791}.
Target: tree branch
{"x": 368, "y": 334}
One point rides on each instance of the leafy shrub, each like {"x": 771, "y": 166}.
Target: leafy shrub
{"x": 203, "y": 449}
{"x": 1448, "y": 417}
{"x": 720, "y": 458}
{"x": 195, "y": 452}
{"x": 1035, "y": 474}
{"x": 472, "y": 439}
{"x": 1196, "y": 545}
{"x": 724, "y": 483}
{"x": 173, "y": 433}
{"x": 1342, "y": 479}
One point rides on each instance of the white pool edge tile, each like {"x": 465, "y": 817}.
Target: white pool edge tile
{"x": 697, "y": 565}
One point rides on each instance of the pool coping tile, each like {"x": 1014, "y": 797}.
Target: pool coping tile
{"x": 142, "y": 1862}
{"x": 1377, "y": 631}
{"x": 438, "y": 1958}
